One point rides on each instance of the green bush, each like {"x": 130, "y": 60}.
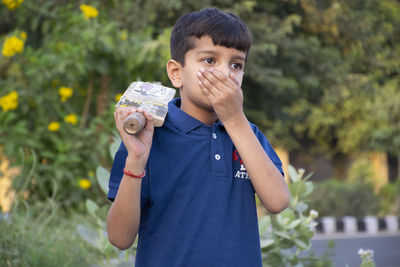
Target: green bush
{"x": 61, "y": 69}
{"x": 335, "y": 198}
{"x": 284, "y": 236}
{"x": 42, "y": 236}
{"x": 93, "y": 231}
{"x": 389, "y": 195}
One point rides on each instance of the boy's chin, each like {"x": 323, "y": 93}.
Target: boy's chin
{"x": 206, "y": 105}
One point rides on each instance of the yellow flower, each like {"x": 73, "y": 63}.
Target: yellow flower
{"x": 53, "y": 126}
{"x": 23, "y": 35}
{"x": 84, "y": 183}
{"x": 9, "y": 101}
{"x": 123, "y": 36}
{"x": 118, "y": 97}
{"x": 12, "y": 4}
{"x": 71, "y": 118}
{"x": 12, "y": 45}
{"x": 65, "y": 93}
{"x": 89, "y": 11}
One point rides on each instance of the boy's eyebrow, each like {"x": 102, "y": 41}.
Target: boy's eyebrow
{"x": 237, "y": 57}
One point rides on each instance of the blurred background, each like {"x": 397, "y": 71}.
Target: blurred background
{"x": 322, "y": 82}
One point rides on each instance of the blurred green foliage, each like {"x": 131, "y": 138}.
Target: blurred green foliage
{"x": 286, "y": 235}
{"x": 325, "y": 74}
{"x": 356, "y": 199}
{"x": 30, "y": 239}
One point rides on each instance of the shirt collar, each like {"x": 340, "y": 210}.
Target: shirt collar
{"x": 184, "y": 122}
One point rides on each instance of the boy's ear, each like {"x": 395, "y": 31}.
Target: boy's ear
{"x": 174, "y": 70}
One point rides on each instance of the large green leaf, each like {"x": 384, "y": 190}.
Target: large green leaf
{"x": 91, "y": 206}
{"x": 309, "y": 189}
{"x": 263, "y": 224}
{"x": 266, "y": 242}
{"x": 293, "y": 224}
{"x": 294, "y": 176}
{"x": 282, "y": 234}
{"x": 301, "y": 207}
{"x": 102, "y": 178}
{"x": 91, "y": 236}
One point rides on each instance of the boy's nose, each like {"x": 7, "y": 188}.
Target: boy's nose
{"x": 224, "y": 70}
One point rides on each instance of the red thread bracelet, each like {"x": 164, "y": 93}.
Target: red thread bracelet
{"x": 135, "y": 176}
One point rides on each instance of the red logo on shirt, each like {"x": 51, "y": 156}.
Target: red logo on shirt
{"x": 242, "y": 172}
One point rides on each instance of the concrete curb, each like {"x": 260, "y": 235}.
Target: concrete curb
{"x": 353, "y": 225}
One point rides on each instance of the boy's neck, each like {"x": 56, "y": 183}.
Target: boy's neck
{"x": 206, "y": 116}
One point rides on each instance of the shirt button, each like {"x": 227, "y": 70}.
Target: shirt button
{"x": 214, "y": 136}
{"x": 217, "y": 157}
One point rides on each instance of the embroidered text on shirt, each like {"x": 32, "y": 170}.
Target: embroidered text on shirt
{"x": 242, "y": 173}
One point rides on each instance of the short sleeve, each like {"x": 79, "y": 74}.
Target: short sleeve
{"x": 117, "y": 172}
{"x": 268, "y": 148}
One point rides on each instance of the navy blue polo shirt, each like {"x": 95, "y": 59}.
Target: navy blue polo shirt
{"x": 197, "y": 201}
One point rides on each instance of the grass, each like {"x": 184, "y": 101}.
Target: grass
{"x": 44, "y": 236}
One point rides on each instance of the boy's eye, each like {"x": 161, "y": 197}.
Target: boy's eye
{"x": 237, "y": 66}
{"x": 209, "y": 60}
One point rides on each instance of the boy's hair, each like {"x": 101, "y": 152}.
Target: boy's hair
{"x": 224, "y": 29}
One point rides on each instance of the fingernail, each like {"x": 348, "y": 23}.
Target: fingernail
{"x": 212, "y": 70}
{"x": 199, "y": 73}
{"x": 202, "y": 69}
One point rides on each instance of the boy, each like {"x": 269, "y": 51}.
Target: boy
{"x": 188, "y": 187}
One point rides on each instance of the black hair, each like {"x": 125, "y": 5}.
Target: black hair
{"x": 224, "y": 29}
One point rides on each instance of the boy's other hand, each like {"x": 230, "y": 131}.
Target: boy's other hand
{"x": 138, "y": 145}
{"x": 224, "y": 93}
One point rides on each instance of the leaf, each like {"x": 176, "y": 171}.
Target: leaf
{"x": 308, "y": 176}
{"x": 102, "y": 178}
{"x": 297, "y": 189}
{"x": 301, "y": 207}
{"x": 282, "y": 234}
{"x": 294, "y": 176}
{"x": 266, "y": 243}
{"x": 263, "y": 224}
{"x": 301, "y": 244}
{"x": 309, "y": 189}
{"x": 287, "y": 254}
{"x": 113, "y": 149}
{"x": 287, "y": 243}
{"x": 91, "y": 206}
{"x": 91, "y": 236}
{"x": 293, "y": 224}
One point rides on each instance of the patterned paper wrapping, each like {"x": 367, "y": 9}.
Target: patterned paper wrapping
{"x": 151, "y": 97}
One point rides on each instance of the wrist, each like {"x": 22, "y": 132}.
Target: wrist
{"x": 132, "y": 175}
{"x": 135, "y": 165}
{"x": 238, "y": 122}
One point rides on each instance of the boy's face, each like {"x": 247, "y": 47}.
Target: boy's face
{"x": 206, "y": 55}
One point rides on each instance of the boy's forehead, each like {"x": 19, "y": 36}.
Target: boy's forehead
{"x": 205, "y": 44}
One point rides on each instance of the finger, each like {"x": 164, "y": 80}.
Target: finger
{"x": 234, "y": 79}
{"x": 209, "y": 80}
{"x": 224, "y": 79}
{"x": 148, "y": 116}
{"x": 149, "y": 121}
{"x": 121, "y": 113}
{"x": 205, "y": 84}
{"x": 205, "y": 90}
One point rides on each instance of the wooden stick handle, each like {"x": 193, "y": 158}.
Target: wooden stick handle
{"x": 134, "y": 123}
